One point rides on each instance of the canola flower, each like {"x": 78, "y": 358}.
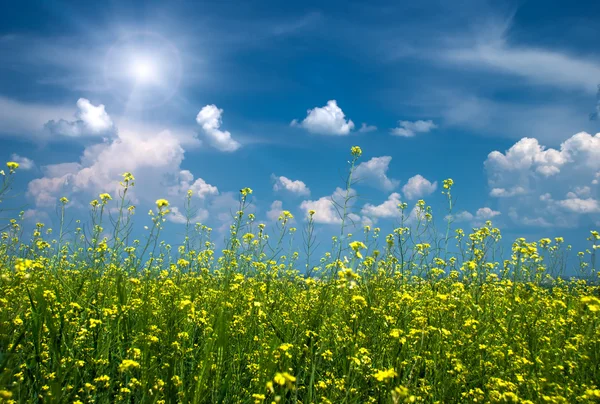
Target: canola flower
{"x": 101, "y": 319}
{"x": 162, "y": 203}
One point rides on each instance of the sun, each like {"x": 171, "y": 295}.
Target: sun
{"x": 143, "y": 70}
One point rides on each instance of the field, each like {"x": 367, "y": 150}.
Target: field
{"x": 88, "y": 318}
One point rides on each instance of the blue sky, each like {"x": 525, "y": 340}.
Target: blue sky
{"x": 217, "y": 96}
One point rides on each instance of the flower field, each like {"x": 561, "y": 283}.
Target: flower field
{"x": 90, "y": 318}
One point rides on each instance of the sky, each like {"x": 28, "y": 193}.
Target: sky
{"x": 500, "y": 96}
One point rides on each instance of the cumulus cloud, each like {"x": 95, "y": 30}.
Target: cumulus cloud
{"x": 24, "y": 162}
{"x": 153, "y": 158}
{"x": 418, "y": 187}
{"x": 275, "y": 211}
{"x": 506, "y": 193}
{"x": 90, "y": 121}
{"x": 293, "y": 186}
{"x": 325, "y": 209}
{"x": 481, "y": 216}
{"x": 176, "y": 216}
{"x": 374, "y": 173}
{"x": 209, "y": 118}
{"x": 528, "y": 174}
{"x": 199, "y": 187}
{"x": 364, "y": 128}
{"x": 387, "y": 210}
{"x": 410, "y": 129}
{"x": 581, "y": 206}
{"x": 327, "y": 120}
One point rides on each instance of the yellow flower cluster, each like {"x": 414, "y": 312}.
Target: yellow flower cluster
{"x": 102, "y": 318}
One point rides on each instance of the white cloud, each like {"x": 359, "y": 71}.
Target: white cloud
{"x": 364, "y": 128}
{"x": 26, "y": 120}
{"x": 374, "y": 173}
{"x": 506, "y": 193}
{"x": 327, "y": 120}
{"x": 176, "y": 216}
{"x": 528, "y": 174}
{"x": 527, "y": 154}
{"x": 387, "y": 210}
{"x": 581, "y": 206}
{"x": 582, "y": 191}
{"x": 486, "y": 213}
{"x": 410, "y": 129}
{"x": 513, "y": 119}
{"x": 418, "y": 187}
{"x": 463, "y": 216}
{"x": 480, "y": 217}
{"x": 296, "y": 187}
{"x": 527, "y": 157}
{"x": 275, "y": 211}
{"x": 152, "y": 158}
{"x": 540, "y": 66}
{"x": 36, "y": 215}
{"x": 199, "y": 187}
{"x": 24, "y": 162}
{"x": 325, "y": 210}
{"x": 210, "y": 119}
{"x": 90, "y": 120}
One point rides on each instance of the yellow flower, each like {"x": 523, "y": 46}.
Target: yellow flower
{"x": 128, "y": 364}
{"x": 105, "y": 197}
{"x": 356, "y": 246}
{"x": 311, "y": 212}
{"x": 356, "y": 151}
{"x": 12, "y": 165}
{"x": 285, "y": 215}
{"x": 64, "y": 200}
{"x": 383, "y": 375}
{"x": 5, "y": 394}
{"x": 283, "y": 378}
{"x": 162, "y": 203}
{"x": 593, "y": 303}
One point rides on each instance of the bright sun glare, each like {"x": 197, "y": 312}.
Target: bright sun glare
{"x": 143, "y": 70}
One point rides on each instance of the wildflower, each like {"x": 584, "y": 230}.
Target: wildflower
{"x": 357, "y": 246}
{"x": 285, "y": 216}
{"x": 593, "y": 303}
{"x": 361, "y": 301}
{"x": 245, "y": 192}
{"x": 311, "y": 213}
{"x": 448, "y": 183}
{"x": 64, "y": 200}
{"x": 105, "y": 197}
{"x": 383, "y": 375}
{"x": 12, "y": 165}
{"x": 356, "y": 151}
{"x": 284, "y": 378}
{"x": 162, "y": 203}
{"x": 128, "y": 364}
{"x": 5, "y": 394}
